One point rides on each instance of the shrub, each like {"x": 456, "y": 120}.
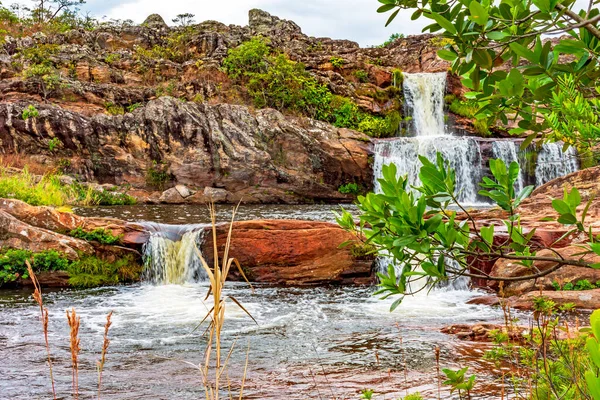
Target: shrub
{"x": 100, "y": 235}
{"x": 114, "y": 109}
{"x": 112, "y": 58}
{"x": 13, "y": 267}
{"x": 157, "y": 175}
{"x": 54, "y": 143}
{"x": 247, "y": 59}
{"x": 414, "y": 396}
{"x": 30, "y": 112}
{"x": 88, "y": 196}
{"x": 91, "y": 271}
{"x": 337, "y": 62}
{"x": 361, "y": 75}
{"x": 349, "y": 188}
{"x": 45, "y": 77}
{"x": 134, "y": 106}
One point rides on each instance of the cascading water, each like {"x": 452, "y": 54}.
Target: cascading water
{"x": 171, "y": 254}
{"x": 424, "y": 102}
{"x": 552, "y": 162}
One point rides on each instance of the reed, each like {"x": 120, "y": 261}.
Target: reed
{"x": 105, "y": 344}
{"x": 217, "y": 275}
{"x": 37, "y": 295}
{"x": 74, "y": 322}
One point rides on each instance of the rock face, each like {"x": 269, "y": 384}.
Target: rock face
{"x": 292, "y": 252}
{"x": 257, "y": 157}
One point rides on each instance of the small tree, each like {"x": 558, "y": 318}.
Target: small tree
{"x": 429, "y": 243}
{"x": 45, "y": 77}
{"x": 184, "y": 20}
{"x": 47, "y": 10}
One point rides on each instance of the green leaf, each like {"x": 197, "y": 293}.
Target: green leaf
{"x": 447, "y": 55}
{"x": 482, "y": 58}
{"x": 386, "y": 8}
{"x": 567, "y": 219}
{"x": 528, "y": 141}
{"x": 391, "y": 18}
{"x": 479, "y": 14}
{"x": 497, "y": 35}
{"x": 444, "y": 23}
{"x": 561, "y": 206}
{"x": 487, "y": 233}
{"x": 523, "y": 52}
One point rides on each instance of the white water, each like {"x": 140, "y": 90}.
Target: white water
{"x": 171, "y": 254}
{"x": 424, "y": 102}
{"x": 552, "y": 162}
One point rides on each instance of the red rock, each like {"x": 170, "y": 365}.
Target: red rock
{"x": 584, "y": 299}
{"x": 292, "y": 252}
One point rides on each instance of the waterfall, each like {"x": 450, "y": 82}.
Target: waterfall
{"x": 424, "y": 102}
{"x": 170, "y": 255}
{"x": 552, "y": 162}
{"x": 507, "y": 151}
{"x": 462, "y": 153}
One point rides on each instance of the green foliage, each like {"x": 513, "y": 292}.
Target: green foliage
{"x": 458, "y": 382}
{"x": 101, "y": 235}
{"x": 397, "y": 77}
{"x": 362, "y": 251}
{"x": 134, "y": 106}
{"x": 54, "y": 143}
{"x": 157, "y": 175}
{"x": 361, "y": 75}
{"x": 112, "y": 58}
{"x": 366, "y": 394}
{"x": 185, "y": 19}
{"x": 413, "y": 396}
{"x": 114, "y": 109}
{"x": 349, "y": 188}
{"x": 393, "y": 37}
{"x": 415, "y": 227}
{"x": 469, "y": 109}
{"x": 551, "y": 89}
{"x": 45, "y": 77}
{"x": 582, "y": 284}
{"x": 88, "y": 196}
{"x": 23, "y": 186}
{"x": 592, "y": 376}
{"x": 92, "y": 271}
{"x": 247, "y": 59}
{"x": 13, "y": 267}
{"x": 337, "y": 62}
{"x": 30, "y": 112}
{"x": 273, "y": 80}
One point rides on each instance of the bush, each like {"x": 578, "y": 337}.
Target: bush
{"x": 361, "y": 75}
{"x": 247, "y": 59}
{"x": 114, "y": 109}
{"x": 54, "y": 143}
{"x": 91, "y": 271}
{"x": 13, "y": 267}
{"x": 337, "y": 62}
{"x": 349, "y": 188}
{"x": 88, "y": 196}
{"x": 100, "y": 235}
{"x": 393, "y": 37}
{"x": 157, "y": 175}
{"x": 30, "y": 112}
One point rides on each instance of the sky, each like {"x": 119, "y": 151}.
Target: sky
{"x": 355, "y": 20}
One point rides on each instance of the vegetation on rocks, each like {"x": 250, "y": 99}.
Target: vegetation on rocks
{"x": 273, "y": 80}
{"x": 101, "y": 235}
{"x": 87, "y": 271}
{"x": 48, "y": 190}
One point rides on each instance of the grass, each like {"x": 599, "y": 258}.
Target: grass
{"x": 92, "y": 271}
{"x": 101, "y": 235}
{"x": 48, "y": 190}
{"x": 468, "y": 109}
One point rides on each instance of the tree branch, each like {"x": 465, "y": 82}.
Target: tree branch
{"x": 581, "y": 22}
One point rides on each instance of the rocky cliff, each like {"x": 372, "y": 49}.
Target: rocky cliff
{"x": 129, "y": 104}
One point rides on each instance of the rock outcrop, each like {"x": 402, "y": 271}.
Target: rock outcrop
{"x": 230, "y": 151}
{"x": 292, "y": 252}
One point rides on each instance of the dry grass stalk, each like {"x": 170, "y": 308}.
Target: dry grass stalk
{"x": 37, "y": 295}
{"x": 105, "y": 344}
{"x": 217, "y": 276}
{"x": 74, "y": 321}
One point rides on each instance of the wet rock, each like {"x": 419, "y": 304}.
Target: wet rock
{"x": 489, "y": 300}
{"x": 292, "y": 252}
{"x": 51, "y": 279}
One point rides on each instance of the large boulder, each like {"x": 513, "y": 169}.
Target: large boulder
{"x": 292, "y": 252}
{"x": 583, "y": 300}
